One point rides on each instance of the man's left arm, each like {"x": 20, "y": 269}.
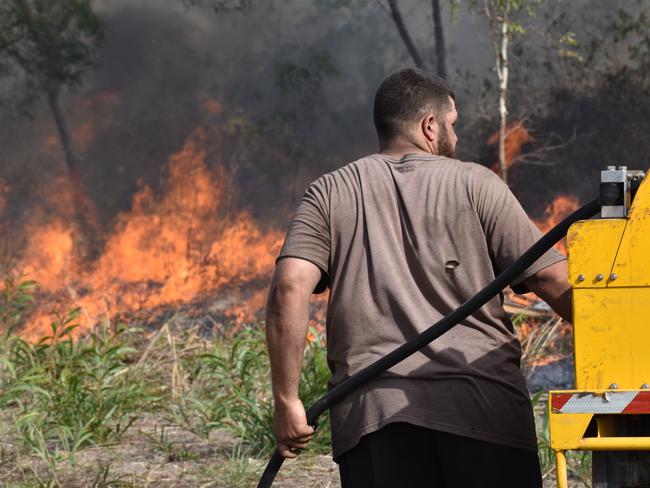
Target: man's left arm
{"x": 551, "y": 285}
{"x": 509, "y": 233}
{"x": 287, "y": 319}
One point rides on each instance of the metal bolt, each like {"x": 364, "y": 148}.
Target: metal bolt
{"x": 644, "y": 386}
{"x": 622, "y": 168}
{"x": 599, "y": 277}
{"x": 613, "y": 276}
{"x": 581, "y": 277}
{"x": 613, "y": 386}
{"x": 611, "y": 168}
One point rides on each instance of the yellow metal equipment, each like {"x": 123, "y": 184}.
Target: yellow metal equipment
{"x": 609, "y": 270}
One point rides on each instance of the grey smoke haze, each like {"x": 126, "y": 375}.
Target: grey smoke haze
{"x": 160, "y": 60}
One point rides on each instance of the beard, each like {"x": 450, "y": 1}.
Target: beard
{"x": 445, "y": 147}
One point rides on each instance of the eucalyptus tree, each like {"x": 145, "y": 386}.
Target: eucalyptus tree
{"x": 503, "y": 18}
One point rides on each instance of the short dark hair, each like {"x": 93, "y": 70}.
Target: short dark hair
{"x": 406, "y": 95}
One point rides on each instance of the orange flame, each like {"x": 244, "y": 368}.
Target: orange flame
{"x": 517, "y": 136}
{"x": 555, "y": 212}
{"x": 168, "y": 250}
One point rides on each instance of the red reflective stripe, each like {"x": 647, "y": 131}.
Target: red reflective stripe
{"x": 640, "y": 404}
{"x": 558, "y": 400}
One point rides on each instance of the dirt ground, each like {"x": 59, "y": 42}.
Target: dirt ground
{"x": 154, "y": 455}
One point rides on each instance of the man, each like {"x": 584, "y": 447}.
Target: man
{"x": 402, "y": 238}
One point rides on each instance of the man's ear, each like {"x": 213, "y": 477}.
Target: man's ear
{"x": 429, "y": 127}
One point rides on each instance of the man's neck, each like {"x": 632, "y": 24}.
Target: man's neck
{"x": 400, "y": 148}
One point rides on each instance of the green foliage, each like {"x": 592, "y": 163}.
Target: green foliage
{"x": 172, "y": 450}
{"x": 69, "y": 394}
{"x": 49, "y": 44}
{"x": 544, "y": 451}
{"x": 578, "y": 462}
{"x": 500, "y": 11}
{"x": 303, "y": 82}
{"x": 16, "y": 297}
{"x": 633, "y": 30}
{"x": 238, "y": 470}
{"x": 220, "y": 6}
{"x": 231, "y": 389}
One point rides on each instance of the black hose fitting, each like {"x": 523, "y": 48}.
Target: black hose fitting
{"x": 611, "y": 194}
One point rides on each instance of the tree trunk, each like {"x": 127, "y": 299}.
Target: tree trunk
{"x": 404, "y": 34}
{"x": 441, "y": 56}
{"x": 503, "y": 93}
{"x": 84, "y": 209}
{"x": 64, "y": 135}
{"x": 500, "y": 27}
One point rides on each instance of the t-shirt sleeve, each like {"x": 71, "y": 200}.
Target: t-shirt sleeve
{"x": 508, "y": 230}
{"x": 308, "y": 236}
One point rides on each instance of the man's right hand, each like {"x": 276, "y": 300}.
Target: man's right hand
{"x": 292, "y": 433}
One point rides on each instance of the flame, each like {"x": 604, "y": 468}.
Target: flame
{"x": 555, "y": 212}
{"x": 517, "y": 136}
{"x": 49, "y": 256}
{"x": 168, "y": 250}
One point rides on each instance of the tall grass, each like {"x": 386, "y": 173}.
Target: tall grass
{"x": 62, "y": 393}
{"x": 16, "y": 297}
{"x": 72, "y": 392}
{"x": 231, "y": 389}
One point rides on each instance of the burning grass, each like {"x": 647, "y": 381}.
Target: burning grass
{"x": 172, "y": 247}
{"x": 124, "y": 406}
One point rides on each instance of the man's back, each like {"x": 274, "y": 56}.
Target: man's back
{"x": 404, "y": 242}
{"x": 402, "y": 238}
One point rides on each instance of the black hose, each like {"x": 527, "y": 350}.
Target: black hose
{"x": 343, "y": 389}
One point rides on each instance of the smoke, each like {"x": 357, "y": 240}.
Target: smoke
{"x": 293, "y": 81}
{"x": 161, "y": 60}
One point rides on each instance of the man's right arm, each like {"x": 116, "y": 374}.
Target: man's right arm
{"x": 287, "y": 315}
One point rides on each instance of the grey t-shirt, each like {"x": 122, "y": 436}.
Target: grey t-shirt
{"x": 402, "y": 243}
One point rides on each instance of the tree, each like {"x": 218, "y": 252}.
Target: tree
{"x": 50, "y": 45}
{"x": 441, "y": 57}
{"x": 499, "y": 14}
{"x": 404, "y": 33}
{"x": 418, "y": 60}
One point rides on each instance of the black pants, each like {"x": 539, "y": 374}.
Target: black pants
{"x": 402, "y": 455}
